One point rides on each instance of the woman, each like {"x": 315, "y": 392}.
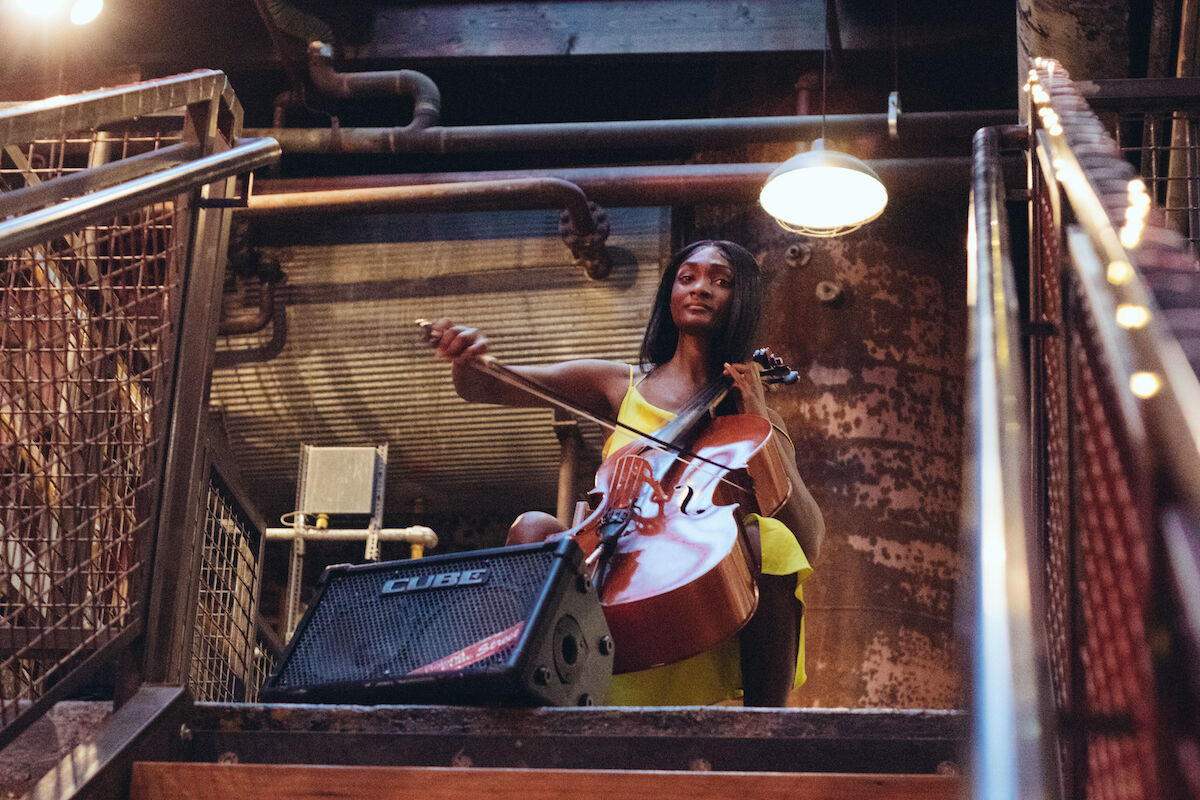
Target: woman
{"x": 702, "y": 325}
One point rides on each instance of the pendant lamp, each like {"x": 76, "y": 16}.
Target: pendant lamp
{"x": 823, "y": 193}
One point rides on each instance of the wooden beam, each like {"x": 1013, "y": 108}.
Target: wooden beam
{"x": 190, "y": 781}
{"x": 594, "y": 27}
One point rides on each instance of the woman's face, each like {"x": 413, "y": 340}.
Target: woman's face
{"x": 702, "y": 294}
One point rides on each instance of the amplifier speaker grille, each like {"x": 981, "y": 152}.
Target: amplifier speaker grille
{"x": 530, "y": 631}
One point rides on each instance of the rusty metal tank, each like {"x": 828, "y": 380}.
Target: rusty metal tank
{"x": 875, "y": 322}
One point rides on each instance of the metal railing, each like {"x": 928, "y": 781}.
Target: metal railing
{"x": 999, "y": 607}
{"x": 1156, "y": 125}
{"x": 111, "y": 252}
{"x": 1088, "y": 552}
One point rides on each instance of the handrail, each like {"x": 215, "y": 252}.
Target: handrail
{"x": 38, "y": 226}
{"x": 67, "y": 114}
{"x": 1170, "y": 413}
{"x": 1118, "y": 338}
{"x": 39, "y": 195}
{"x": 1009, "y": 741}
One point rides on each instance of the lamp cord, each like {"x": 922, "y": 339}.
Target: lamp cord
{"x": 895, "y": 48}
{"x": 824, "y": 59}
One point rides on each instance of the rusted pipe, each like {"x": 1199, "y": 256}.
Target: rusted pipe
{"x": 698, "y": 133}
{"x": 427, "y": 100}
{"x": 585, "y": 230}
{"x": 266, "y": 313}
{"x": 662, "y": 185}
{"x": 282, "y": 17}
{"x": 571, "y": 447}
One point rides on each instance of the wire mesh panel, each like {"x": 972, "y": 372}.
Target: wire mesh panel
{"x": 229, "y": 662}
{"x": 1116, "y": 701}
{"x": 1102, "y": 479}
{"x": 1164, "y": 146}
{"x": 86, "y": 345}
{"x": 112, "y": 231}
{"x": 1054, "y": 451}
{"x": 31, "y": 163}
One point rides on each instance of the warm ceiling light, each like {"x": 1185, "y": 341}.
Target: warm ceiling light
{"x": 36, "y": 9}
{"x": 85, "y": 11}
{"x": 823, "y": 193}
{"x": 1145, "y": 384}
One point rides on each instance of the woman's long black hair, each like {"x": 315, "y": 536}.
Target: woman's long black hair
{"x": 732, "y": 345}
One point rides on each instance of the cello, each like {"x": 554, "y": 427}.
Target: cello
{"x": 673, "y": 567}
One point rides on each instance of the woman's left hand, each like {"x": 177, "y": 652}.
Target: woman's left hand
{"x": 750, "y": 398}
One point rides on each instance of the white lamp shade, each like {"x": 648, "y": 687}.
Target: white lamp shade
{"x": 823, "y": 193}
{"x": 84, "y": 11}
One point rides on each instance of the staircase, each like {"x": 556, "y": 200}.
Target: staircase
{"x": 161, "y": 745}
{"x": 184, "y": 781}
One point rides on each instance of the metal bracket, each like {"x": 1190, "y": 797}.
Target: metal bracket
{"x": 241, "y": 201}
{"x": 893, "y": 112}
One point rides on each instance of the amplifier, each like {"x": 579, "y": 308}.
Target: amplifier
{"x": 508, "y": 626}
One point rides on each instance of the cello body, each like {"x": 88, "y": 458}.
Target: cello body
{"x": 678, "y": 576}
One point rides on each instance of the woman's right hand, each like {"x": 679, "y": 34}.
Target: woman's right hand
{"x": 457, "y": 343}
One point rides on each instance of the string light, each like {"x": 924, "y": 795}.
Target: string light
{"x": 1144, "y": 384}
{"x": 1130, "y": 315}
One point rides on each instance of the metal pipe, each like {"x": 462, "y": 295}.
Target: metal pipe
{"x": 584, "y": 231}
{"x": 38, "y": 226}
{"x": 661, "y": 185}
{"x": 254, "y": 324}
{"x": 474, "y": 195}
{"x": 696, "y": 133}
{"x": 570, "y": 442}
{"x": 427, "y": 100}
{"x": 416, "y": 534}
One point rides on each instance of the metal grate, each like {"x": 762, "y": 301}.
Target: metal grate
{"x": 44, "y": 159}
{"x": 1112, "y": 592}
{"x": 1097, "y": 570}
{"x": 1097, "y": 493}
{"x": 1164, "y": 146}
{"x": 86, "y": 345}
{"x": 1055, "y": 453}
{"x": 228, "y": 661}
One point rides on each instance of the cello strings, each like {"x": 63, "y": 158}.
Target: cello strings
{"x": 493, "y": 367}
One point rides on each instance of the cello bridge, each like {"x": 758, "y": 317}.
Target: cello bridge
{"x": 632, "y": 473}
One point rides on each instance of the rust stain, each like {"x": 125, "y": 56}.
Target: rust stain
{"x": 906, "y": 670}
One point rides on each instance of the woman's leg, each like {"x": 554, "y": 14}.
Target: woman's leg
{"x": 770, "y": 641}
{"x": 533, "y": 527}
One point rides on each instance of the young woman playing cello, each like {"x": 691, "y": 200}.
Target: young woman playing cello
{"x": 702, "y": 324}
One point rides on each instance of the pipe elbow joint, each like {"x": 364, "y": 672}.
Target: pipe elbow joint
{"x": 427, "y": 99}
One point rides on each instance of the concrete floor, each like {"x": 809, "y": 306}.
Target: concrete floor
{"x": 38, "y": 748}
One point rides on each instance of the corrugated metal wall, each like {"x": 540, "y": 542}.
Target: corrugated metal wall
{"x": 344, "y": 364}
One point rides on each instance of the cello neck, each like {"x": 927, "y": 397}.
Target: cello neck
{"x": 698, "y": 409}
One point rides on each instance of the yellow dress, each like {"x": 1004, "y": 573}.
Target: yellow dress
{"x": 716, "y": 674}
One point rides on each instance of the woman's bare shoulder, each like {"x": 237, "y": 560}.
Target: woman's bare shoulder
{"x": 596, "y": 383}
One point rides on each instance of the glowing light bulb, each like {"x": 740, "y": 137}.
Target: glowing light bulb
{"x": 1144, "y": 384}
{"x": 1132, "y": 316}
{"x": 85, "y": 11}
{"x": 1120, "y": 273}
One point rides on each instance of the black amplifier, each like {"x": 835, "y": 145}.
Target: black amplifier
{"x": 508, "y": 626}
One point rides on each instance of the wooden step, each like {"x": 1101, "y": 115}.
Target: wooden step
{"x": 157, "y": 780}
{"x": 791, "y": 740}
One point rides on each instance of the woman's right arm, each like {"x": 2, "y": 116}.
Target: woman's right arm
{"x": 596, "y": 385}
